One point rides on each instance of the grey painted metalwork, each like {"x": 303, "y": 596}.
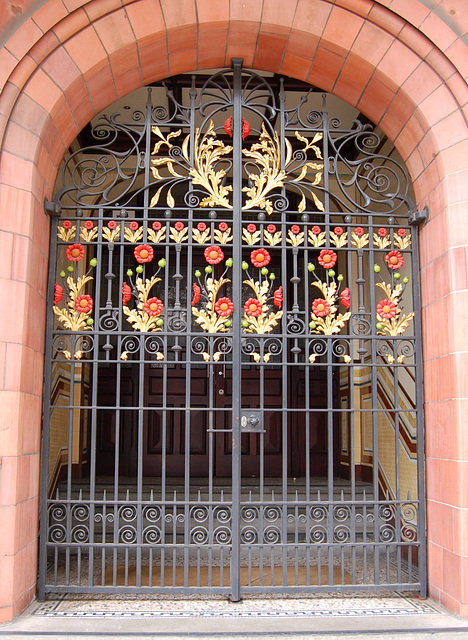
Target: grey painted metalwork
{"x": 233, "y": 391}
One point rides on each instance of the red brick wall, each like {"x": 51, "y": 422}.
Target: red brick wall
{"x": 402, "y": 64}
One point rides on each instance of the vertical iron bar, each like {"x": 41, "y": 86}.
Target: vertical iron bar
{"x": 236, "y": 328}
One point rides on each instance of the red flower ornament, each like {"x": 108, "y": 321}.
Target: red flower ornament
{"x": 84, "y": 304}
{"x": 260, "y": 258}
{"x": 278, "y": 297}
{"x": 88, "y": 224}
{"x": 338, "y": 231}
{"x": 253, "y": 307}
{"x": 245, "y": 128}
{"x": 154, "y": 307}
{"x": 320, "y": 308}
{"x": 196, "y": 294}
{"x": 58, "y": 293}
{"x": 295, "y": 229}
{"x": 394, "y": 260}
{"x": 386, "y": 309}
{"x": 112, "y": 224}
{"x": 327, "y": 258}
{"x": 126, "y": 293}
{"x": 75, "y": 252}
{"x": 66, "y": 224}
{"x": 316, "y": 230}
{"x": 359, "y": 231}
{"x": 251, "y": 228}
{"x": 133, "y": 225}
{"x": 346, "y": 298}
{"x": 223, "y": 226}
{"x": 382, "y": 232}
{"x": 213, "y": 254}
{"x": 224, "y": 307}
{"x": 402, "y": 233}
{"x": 179, "y": 226}
{"x": 271, "y": 228}
{"x": 201, "y": 226}
{"x": 143, "y": 253}
{"x": 156, "y": 225}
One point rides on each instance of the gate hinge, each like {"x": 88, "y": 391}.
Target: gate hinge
{"x": 52, "y": 208}
{"x": 418, "y": 217}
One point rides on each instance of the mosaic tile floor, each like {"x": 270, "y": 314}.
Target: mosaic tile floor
{"x": 322, "y": 606}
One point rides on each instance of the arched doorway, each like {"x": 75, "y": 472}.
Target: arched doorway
{"x": 233, "y": 395}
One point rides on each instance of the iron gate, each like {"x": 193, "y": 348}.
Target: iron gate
{"x": 233, "y": 377}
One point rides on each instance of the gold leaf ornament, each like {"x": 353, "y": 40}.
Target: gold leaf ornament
{"x": 138, "y": 317}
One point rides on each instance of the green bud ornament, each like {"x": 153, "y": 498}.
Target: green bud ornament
{"x": 208, "y": 269}
{"x": 379, "y": 326}
{"x": 90, "y": 322}
{"x": 245, "y": 265}
{"x": 340, "y": 278}
{"x": 311, "y": 267}
{"x": 70, "y": 268}
{"x": 197, "y": 273}
{"x": 331, "y": 273}
{"x": 397, "y": 276}
{"x": 272, "y": 276}
{"x": 227, "y": 323}
{"x": 229, "y": 262}
{"x": 245, "y": 323}
{"x": 376, "y": 268}
{"x": 162, "y": 263}
{"x": 159, "y": 322}
{"x": 129, "y": 273}
{"x": 405, "y": 280}
{"x": 312, "y": 324}
{"x": 139, "y": 269}
{"x": 264, "y": 271}
{"x": 93, "y": 262}
{"x": 62, "y": 274}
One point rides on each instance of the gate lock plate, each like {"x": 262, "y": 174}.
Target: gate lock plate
{"x": 251, "y": 422}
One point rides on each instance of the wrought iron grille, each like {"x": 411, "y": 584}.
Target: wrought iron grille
{"x": 233, "y": 378}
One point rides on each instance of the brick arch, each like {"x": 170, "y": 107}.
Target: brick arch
{"x": 61, "y": 68}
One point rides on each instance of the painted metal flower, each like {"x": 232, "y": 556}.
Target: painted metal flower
{"x": 223, "y": 226}
{"x": 143, "y": 253}
{"x": 278, "y": 297}
{"x": 320, "y": 308}
{"x": 112, "y": 224}
{"x": 75, "y": 252}
{"x": 84, "y": 303}
{"x": 88, "y": 224}
{"x": 67, "y": 224}
{"x": 179, "y": 226}
{"x": 316, "y": 230}
{"x": 196, "y": 294}
{"x": 271, "y": 228}
{"x": 251, "y": 228}
{"x": 58, "y": 293}
{"x": 327, "y": 258}
{"x": 382, "y": 232}
{"x": 156, "y": 225}
{"x": 402, "y": 233}
{"x": 295, "y": 229}
{"x": 126, "y": 293}
{"x": 346, "y": 298}
{"x": 154, "y": 307}
{"x": 213, "y": 254}
{"x": 133, "y": 225}
{"x": 245, "y": 127}
{"x": 201, "y": 226}
{"x": 386, "y": 309}
{"x": 394, "y": 260}
{"x": 338, "y": 231}
{"x": 224, "y": 307}
{"x": 359, "y": 231}
{"x": 253, "y": 307}
{"x": 260, "y": 257}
